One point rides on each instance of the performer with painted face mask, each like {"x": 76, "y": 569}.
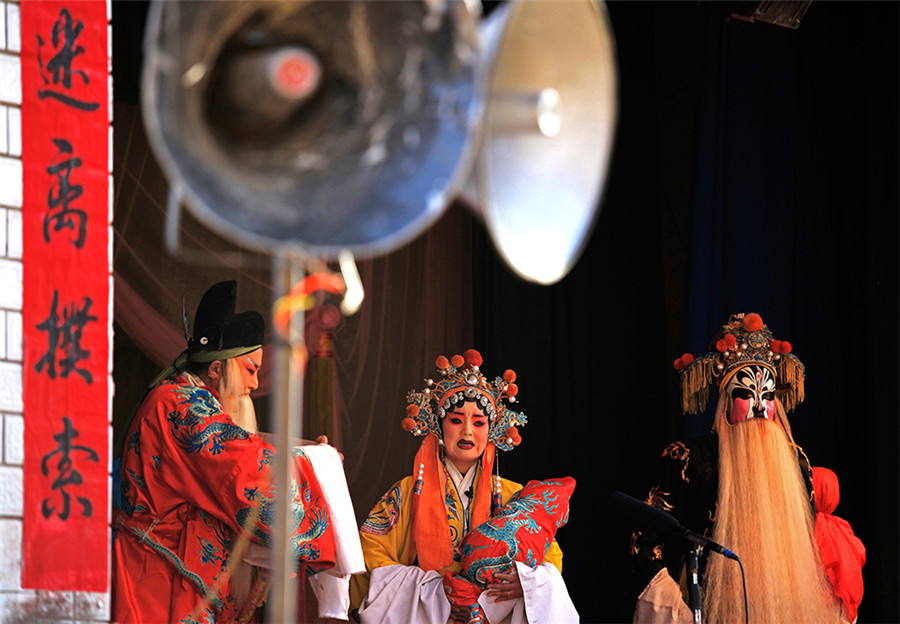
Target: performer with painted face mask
{"x": 415, "y": 532}
{"x": 745, "y": 485}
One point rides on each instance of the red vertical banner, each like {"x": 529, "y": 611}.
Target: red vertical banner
{"x": 66, "y": 291}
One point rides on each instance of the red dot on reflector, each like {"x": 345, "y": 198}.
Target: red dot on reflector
{"x": 296, "y": 75}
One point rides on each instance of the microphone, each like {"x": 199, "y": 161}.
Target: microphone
{"x": 659, "y": 520}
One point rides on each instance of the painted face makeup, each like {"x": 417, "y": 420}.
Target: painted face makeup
{"x": 248, "y": 366}
{"x": 751, "y": 394}
{"x": 465, "y": 430}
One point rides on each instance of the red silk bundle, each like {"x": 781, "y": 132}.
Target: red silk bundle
{"x": 522, "y": 530}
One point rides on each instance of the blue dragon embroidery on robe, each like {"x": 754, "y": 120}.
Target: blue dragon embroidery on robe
{"x": 266, "y": 459}
{"x": 134, "y": 441}
{"x": 194, "y": 428}
{"x": 301, "y": 544}
{"x": 128, "y": 505}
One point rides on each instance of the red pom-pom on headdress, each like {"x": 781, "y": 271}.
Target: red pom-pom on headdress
{"x": 730, "y": 340}
{"x": 509, "y": 375}
{"x": 753, "y": 322}
{"x": 408, "y": 424}
{"x": 442, "y": 362}
{"x": 412, "y": 410}
{"x": 473, "y": 357}
{"x": 683, "y": 362}
{"x": 457, "y": 361}
{"x": 721, "y": 345}
{"x": 780, "y": 346}
{"x": 512, "y": 390}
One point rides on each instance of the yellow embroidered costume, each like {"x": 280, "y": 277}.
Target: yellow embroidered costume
{"x": 413, "y": 534}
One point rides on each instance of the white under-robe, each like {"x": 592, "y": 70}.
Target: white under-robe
{"x": 401, "y": 594}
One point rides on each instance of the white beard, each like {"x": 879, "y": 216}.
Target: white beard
{"x": 243, "y": 413}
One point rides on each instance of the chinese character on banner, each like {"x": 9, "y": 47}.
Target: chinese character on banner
{"x": 64, "y": 475}
{"x": 62, "y": 193}
{"x": 57, "y": 74}
{"x": 66, "y": 294}
{"x": 65, "y": 336}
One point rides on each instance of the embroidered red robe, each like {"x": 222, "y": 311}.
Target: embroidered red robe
{"x": 190, "y": 480}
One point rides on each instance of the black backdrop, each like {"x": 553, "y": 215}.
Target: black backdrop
{"x": 755, "y": 169}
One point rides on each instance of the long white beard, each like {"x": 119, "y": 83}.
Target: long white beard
{"x": 243, "y": 413}
{"x": 763, "y": 515}
{"x": 234, "y": 402}
{"x": 239, "y": 407}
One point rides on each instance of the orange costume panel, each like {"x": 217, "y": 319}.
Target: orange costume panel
{"x": 190, "y": 480}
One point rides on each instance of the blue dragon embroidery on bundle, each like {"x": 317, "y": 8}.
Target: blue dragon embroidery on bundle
{"x": 522, "y": 530}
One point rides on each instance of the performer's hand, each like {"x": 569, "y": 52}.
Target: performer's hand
{"x": 505, "y": 587}
{"x": 323, "y": 439}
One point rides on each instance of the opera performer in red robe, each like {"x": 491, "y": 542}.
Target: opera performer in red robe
{"x": 196, "y": 484}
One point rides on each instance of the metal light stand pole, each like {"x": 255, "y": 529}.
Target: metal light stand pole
{"x": 286, "y": 411}
{"x": 694, "y": 587}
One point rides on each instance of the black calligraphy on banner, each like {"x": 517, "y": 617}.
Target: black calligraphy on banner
{"x": 59, "y": 69}
{"x": 65, "y": 337}
{"x": 65, "y": 474}
{"x": 61, "y": 214}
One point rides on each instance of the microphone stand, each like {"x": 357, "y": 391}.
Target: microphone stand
{"x": 694, "y": 587}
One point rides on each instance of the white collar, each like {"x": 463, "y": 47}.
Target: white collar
{"x": 463, "y": 482}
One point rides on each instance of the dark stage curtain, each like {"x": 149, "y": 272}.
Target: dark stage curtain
{"x": 755, "y": 170}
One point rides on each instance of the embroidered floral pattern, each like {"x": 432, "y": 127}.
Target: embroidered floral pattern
{"x": 384, "y": 516}
{"x": 658, "y": 499}
{"x": 208, "y": 552}
{"x": 679, "y": 452}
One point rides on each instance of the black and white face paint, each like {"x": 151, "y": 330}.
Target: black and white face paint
{"x": 751, "y": 394}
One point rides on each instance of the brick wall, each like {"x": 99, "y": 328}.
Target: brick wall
{"x": 17, "y": 604}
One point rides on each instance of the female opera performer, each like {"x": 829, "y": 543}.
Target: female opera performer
{"x": 413, "y": 535}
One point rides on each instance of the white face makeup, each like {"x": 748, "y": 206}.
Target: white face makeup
{"x": 751, "y": 394}
{"x": 465, "y": 430}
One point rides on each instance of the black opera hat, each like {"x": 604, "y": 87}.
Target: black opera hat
{"x": 219, "y": 333}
